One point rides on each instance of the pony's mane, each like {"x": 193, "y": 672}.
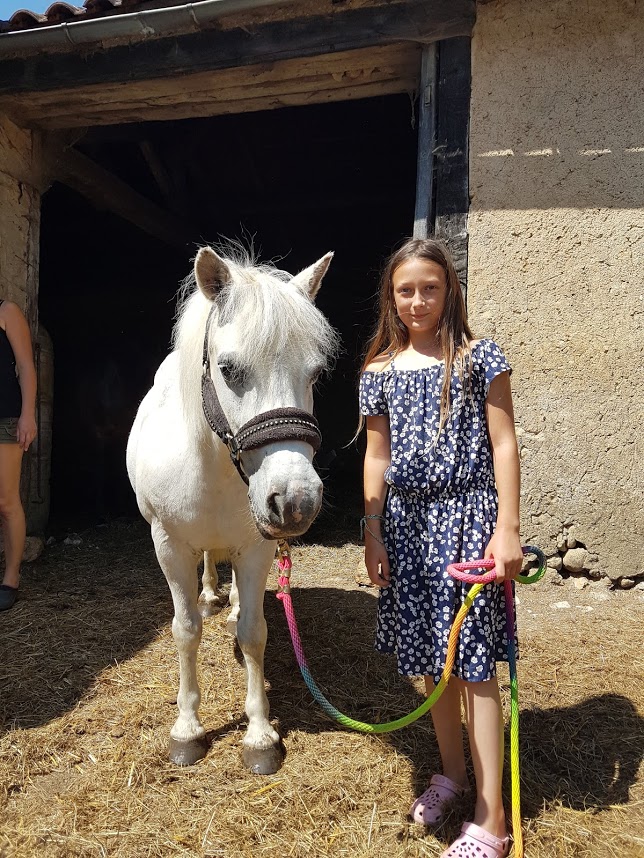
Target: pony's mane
{"x": 276, "y": 318}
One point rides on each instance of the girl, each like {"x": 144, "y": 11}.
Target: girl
{"x": 17, "y": 431}
{"x": 440, "y": 434}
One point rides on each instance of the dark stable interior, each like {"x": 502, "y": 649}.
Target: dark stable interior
{"x": 298, "y": 182}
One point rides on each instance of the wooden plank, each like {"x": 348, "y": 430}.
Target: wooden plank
{"x": 257, "y": 74}
{"x": 338, "y": 65}
{"x": 387, "y": 71}
{"x": 210, "y": 108}
{"x": 452, "y": 149}
{"x": 395, "y": 67}
{"x": 420, "y": 21}
{"x": 158, "y": 172}
{"x": 107, "y": 192}
{"x": 423, "y": 214}
{"x": 156, "y": 100}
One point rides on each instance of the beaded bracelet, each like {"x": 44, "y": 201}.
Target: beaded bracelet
{"x": 364, "y": 526}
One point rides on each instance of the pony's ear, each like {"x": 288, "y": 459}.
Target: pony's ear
{"x": 310, "y": 279}
{"x": 211, "y": 272}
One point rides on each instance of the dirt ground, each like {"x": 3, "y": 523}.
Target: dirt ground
{"x": 87, "y": 697}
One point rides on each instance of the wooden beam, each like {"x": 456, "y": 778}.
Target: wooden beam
{"x": 420, "y": 21}
{"x": 159, "y": 173}
{"x": 199, "y": 109}
{"x": 342, "y": 76}
{"x": 107, "y": 192}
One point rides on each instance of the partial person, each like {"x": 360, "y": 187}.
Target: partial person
{"x": 441, "y": 485}
{"x": 17, "y": 431}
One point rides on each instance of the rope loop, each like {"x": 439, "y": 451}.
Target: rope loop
{"x": 460, "y": 571}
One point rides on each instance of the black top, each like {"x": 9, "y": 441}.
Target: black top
{"x": 10, "y": 395}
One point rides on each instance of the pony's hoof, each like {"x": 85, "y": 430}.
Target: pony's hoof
{"x": 263, "y": 761}
{"x": 211, "y": 608}
{"x": 187, "y": 753}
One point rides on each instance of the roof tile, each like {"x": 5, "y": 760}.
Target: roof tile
{"x": 60, "y": 12}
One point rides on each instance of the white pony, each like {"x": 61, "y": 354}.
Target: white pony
{"x": 251, "y": 337}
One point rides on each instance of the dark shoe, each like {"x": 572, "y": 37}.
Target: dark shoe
{"x": 8, "y": 596}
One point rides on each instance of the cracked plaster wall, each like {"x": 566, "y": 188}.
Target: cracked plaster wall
{"x": 19, "y": 217}
{"x": 555, "y": 259}
{"x": 20, "y": 190}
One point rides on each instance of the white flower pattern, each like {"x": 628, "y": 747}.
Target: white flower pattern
{"x": 441, "y": 508}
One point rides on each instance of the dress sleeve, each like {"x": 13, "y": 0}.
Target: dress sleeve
{"x": 372, "y": 398}
{"x": 494, "y": 363}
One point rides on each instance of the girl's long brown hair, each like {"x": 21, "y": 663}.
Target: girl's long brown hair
{"x": 391, "y": 335}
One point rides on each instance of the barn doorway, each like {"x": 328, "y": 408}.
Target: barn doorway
{"x": 298, "y": 182}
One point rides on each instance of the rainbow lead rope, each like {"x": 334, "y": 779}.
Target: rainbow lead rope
{"x": 461, "y": 572}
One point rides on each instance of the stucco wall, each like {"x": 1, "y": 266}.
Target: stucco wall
{"x": 21, "y": 179}
{"x": 19, "y": 216}
{"x": 556, "y": 260}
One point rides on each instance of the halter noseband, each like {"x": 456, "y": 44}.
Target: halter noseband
{"x": 279, "y": 424}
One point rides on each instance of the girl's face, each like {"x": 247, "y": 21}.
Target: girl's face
{"x": 420, "y": 292}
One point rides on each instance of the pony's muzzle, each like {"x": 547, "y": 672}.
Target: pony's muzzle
{"x": 290, "y": 512}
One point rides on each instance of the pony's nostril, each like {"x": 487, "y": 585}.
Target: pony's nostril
{"x": 273, "y": 505}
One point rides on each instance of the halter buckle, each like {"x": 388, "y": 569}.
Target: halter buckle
{"x": 233, "y": 447}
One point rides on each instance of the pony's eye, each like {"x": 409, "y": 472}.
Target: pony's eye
{"x": 234, "y": 375}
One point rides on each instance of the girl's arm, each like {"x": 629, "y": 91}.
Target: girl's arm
{"x": 17, "y": 331}
{"x": 505, "y": 545}
{"x": 376, "y": 461}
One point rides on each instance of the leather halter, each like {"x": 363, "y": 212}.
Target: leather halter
{"x": 279, "y": 424}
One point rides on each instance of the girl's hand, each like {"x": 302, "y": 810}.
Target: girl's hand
{"x": 376, "y": 561}
{"x": 26, "y": 431}
{"x": 505, "y": 549}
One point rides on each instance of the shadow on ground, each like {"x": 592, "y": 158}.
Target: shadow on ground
{"x": 84, "y": 607}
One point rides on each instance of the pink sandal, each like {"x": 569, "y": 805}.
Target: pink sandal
{"x": 476, "y": 842}
{"x": 429, "y": 808}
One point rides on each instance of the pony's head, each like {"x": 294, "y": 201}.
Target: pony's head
{"x": 267, "y": 344}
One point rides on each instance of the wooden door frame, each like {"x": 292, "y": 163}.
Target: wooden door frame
{"x": 442, "y": 185}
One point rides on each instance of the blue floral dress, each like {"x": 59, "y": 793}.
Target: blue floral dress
{"x": 441, "y": 508}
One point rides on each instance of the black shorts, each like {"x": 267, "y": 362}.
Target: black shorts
{"x": 8, "y": 430}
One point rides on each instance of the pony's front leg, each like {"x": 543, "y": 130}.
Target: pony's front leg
{"x": 179, "y": 565}
{"x": 262, "y": 752}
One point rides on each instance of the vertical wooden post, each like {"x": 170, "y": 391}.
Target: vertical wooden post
{"x": 452, "y": 194}
{"x": 424, "y": 212}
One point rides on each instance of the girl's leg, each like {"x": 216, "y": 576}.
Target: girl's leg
{"x": 429, "y": 808}
{"x": 446, "y": 715}
{"x": 484, "y": 719}
{"x": 12, "y": 516}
